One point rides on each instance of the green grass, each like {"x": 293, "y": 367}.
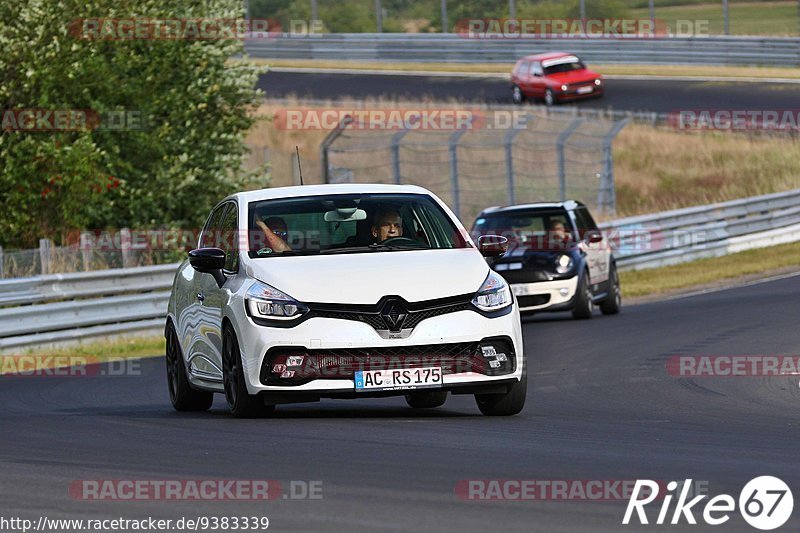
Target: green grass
{"x": 704, "y": 272}
{"x": 746, "y": 18}
{"x": 132, "y": 347}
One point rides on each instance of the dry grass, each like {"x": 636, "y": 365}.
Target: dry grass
{"x": 659, "y": 169}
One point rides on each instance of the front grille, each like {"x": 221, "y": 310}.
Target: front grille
{"x": 371, "y": 314}
{"x": 536, "y": 299}
{"x": 342, "y": 363}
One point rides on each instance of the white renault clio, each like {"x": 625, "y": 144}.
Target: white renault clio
{"x": 341, "y": 291}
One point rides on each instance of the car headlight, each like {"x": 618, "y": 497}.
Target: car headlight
{"x": 563, "y": 264}
{"x": 598, "y": 82}
{"x": 494, "y": 294}
{"x": 563, "y": 87}
{"x": 265, "y": 301}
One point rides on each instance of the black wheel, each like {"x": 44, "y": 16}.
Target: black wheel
{"x": 426, "y": 399}
{"x": 613, "y": 303}
{"x": 241, "y": 403}
{"x": 517, "y": 96}
{"x": 584, "y": 304}
{"x": 181, "y": 393}
{"x": 506, "y": 404}
{"x": 549, "y": 97}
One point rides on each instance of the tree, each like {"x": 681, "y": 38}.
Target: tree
{"x": 193, "y": 103}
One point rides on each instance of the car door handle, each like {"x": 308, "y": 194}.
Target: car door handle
{"x": 201, "y": 296}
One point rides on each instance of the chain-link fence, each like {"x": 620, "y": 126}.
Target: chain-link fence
{"x": 543, "y": 158}
{"x": 88, "y": 254}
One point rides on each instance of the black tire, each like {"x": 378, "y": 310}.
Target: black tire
{"x": 584, "y": 304}
{"x": 613, "y": 303}
{"x": 549, "y": 98}
{"x": 426, "y": 399}
{"x": 241, "y": 403}
{"x": 181, "y": 393}
{"x": 507, "y": 404}
{"x": 517, "y": 96}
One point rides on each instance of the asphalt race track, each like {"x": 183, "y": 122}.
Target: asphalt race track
{"x": 600, "y": 406}
{"x": 629, "y": 95}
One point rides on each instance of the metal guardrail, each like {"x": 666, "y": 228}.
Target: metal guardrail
{"x": 66, "y": 307}
{"x": 682, "y": 235}
{"x": 456, "y": 48}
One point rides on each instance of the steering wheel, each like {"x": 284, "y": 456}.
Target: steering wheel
{"x": 403, "y": 241}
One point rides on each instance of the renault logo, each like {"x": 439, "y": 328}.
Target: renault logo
{"x": 394, "y": 314}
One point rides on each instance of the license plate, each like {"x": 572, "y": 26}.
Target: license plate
{"x": 520, "y": 290}
{"x": 585, "y": 90}
{"x": 398, "y": 379}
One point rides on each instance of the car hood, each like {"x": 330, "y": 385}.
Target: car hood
{"x": 574, "y": 76}
{"x": 364, "y": 278}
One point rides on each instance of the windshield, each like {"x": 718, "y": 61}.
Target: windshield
{"x": 349, "y": 223}
{"x": 541, "y": 229}
{"x": 577, "y": 64}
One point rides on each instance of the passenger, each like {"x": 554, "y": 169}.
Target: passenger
{"x": 275, "y": 231}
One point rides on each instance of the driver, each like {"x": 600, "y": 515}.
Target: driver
{"x": 275, "y": 232}
{"x": 387, "y": 224}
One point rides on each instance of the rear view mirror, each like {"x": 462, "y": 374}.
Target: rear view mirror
{"x": 492, "y": 245}
{"x": 209, "y": 261}
{"x": 593, "y": 237}
{"x": 345, "y": 214}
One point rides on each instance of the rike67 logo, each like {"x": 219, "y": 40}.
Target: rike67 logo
{"x": 765, "y": 503}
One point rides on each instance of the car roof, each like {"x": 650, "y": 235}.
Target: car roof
{"x": 546, "y": 55}
{"x": 320, "y": 190}
{"x": 567, "y": 204}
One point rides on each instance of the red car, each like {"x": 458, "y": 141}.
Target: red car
{"x": 554, "y": 77}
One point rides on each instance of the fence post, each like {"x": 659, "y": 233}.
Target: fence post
{"x": 454, "y": 138}
{"x": 2, "y": 275}
{"x": 125, "y": 247}
{"x": 396, "y": 138}
{"x": 562, "y": 171}
{"x": 323, "y": 148}
{"x": 508, "y": 141}
{"x": 44, "y": 255}
{"x": 86, "y": 250}
{"x": 607, "y": 192}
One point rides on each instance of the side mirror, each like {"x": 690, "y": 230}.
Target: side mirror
{"x": 209, "y": 261}
{"x": 593, "y": 237}
{"x": 492, "y": 245}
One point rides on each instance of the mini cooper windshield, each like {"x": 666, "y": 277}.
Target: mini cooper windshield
{"x": 340, "y": 224}
{"x": 540, "y": 229}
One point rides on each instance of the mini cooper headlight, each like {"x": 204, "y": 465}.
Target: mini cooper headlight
{"x": 265, "y": 301}
{"x": 494, "y": 294}
{"x": 563, "y": 264}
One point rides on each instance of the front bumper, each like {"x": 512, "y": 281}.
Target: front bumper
{"x": 573, "y": 94}
{"x": 319, "y": 335}
{"x": 545, "y": 295}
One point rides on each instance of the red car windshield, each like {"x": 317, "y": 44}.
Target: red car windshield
{"x": 564, "y": 67}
